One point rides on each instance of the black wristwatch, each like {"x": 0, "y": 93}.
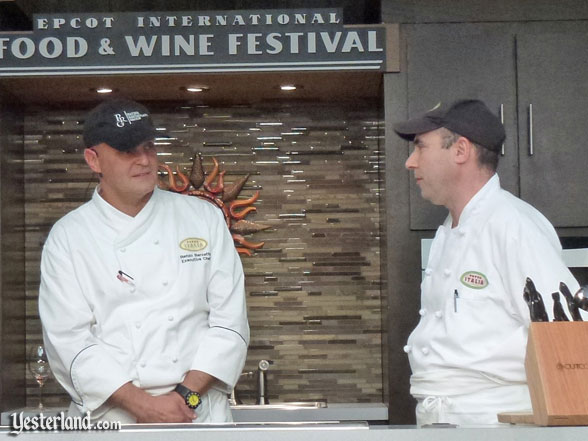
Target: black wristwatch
{"x": 191, "y": 397}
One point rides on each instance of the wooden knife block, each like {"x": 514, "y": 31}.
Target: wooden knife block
{"x": 557, "y": 372}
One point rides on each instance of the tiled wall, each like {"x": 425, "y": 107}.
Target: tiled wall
{"x": 314, "y": 290}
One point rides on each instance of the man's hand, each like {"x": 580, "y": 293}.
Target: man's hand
{"x": 167, "y": 408}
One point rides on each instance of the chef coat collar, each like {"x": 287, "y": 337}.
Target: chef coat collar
{"x": 474, "y": 205}
{"x": 118, "y": 220}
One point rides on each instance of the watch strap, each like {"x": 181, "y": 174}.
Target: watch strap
{"x": 192, "y": 398}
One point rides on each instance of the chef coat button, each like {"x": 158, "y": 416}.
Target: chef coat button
{"x": 407, "y": 348}
{"x": 164, "y": 283}
{"x": 425, "y": 351}
{"x": 156, "y": 242}
{"x": 447, "y": 272}
{"x": 439, "y": 314}
{"x": 428, "y": 271}
{"x": 133, "y": 289}
{"x": 170, "y": 318}
{"x": 122, "y": 250}
{"x": 422, "y": 311}
{"x": 175, "y": 360}
{"x": 138, "y": 325}
{"x": 462, "y": 233}
{"x": 143, "y": 364}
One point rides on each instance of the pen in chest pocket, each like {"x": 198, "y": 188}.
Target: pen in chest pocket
{"x": 125, "y": 278}
{"x": 455, "y": 297}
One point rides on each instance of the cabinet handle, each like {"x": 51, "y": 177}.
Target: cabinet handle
{"x": 502, "y": 121}
{"x": 531, "y": 151}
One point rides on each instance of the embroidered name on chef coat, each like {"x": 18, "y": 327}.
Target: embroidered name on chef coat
{"x": 195, "y": 257}
{"x": 474, "y": 279}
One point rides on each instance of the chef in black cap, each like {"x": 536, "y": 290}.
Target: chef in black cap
{"x": 467, "y": 351}
{"x": 142, "y": 295}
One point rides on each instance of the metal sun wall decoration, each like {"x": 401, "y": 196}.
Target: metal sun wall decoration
{"x": 211, "y": 187}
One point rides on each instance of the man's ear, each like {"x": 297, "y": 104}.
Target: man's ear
{"x": 91, "y": 158}
{"x": 463, "y": 150}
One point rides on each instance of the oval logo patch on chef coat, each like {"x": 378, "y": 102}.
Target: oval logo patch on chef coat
{"x": 193, "y": 244}
{"x": 474, "y": 279}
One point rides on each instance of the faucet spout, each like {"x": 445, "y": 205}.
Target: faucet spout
{"x": 234, "y": 397}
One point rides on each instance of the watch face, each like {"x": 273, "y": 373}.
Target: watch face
{"x": 193, "y": 400}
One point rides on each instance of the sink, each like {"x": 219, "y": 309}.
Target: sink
{"x": 282, "y": 406}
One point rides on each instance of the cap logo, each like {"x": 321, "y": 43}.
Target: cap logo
{"x": 128, "y": 117}
{"x": 474, "y": 279}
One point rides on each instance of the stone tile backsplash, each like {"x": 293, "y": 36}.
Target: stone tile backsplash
{"x": 314, "y": 291}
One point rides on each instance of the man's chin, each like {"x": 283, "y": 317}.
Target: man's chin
{"x": 427, "y": 197}
{"x": 145, "y": 186}
{"x": 424, "y": 195}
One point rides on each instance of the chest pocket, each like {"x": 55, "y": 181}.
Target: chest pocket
{"x": 480, "y": 311}
{"x": 465, "y": 294}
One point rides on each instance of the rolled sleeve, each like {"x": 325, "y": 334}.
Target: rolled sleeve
{"x": 80, "y": 362}
{"x": 223, "y": 348}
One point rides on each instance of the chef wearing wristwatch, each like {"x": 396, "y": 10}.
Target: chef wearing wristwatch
{"x": 141, "y": 288}
{"x": 192, "y": 398}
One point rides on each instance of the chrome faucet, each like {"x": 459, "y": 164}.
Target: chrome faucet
{"x": 262, "y": 369}
{"x": 234, "y": 399}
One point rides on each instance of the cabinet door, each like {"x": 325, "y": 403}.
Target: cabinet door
{"x": 553, "y": 79}
{"x": 453, "y": 61}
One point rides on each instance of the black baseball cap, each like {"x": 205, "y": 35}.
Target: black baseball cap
{"x": 469, "y": 118}
{"x": 119, "y": 122}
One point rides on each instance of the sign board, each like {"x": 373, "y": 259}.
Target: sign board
{"x": 182, "y": 42}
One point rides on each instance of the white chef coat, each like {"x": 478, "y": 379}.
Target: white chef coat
{"x": 467, "y": 352}
{"x": 178, "y": 303}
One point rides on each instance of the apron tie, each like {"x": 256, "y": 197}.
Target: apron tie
{"x": 437, "y": 404}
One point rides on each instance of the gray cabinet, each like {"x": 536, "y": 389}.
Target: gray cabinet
{"x": 448, "y": 62}
{"x": 511, "y": 67}
{"x": 552, "y": 71}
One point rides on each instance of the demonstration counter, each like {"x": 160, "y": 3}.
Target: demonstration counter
{"x": 331, "y": 431}
{"x": 283, "y": 412}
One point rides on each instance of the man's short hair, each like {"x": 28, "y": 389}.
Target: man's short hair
{"x": 485, "y": 157}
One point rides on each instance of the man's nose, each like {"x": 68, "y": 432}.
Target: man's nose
{"x": 411, "y": 162}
